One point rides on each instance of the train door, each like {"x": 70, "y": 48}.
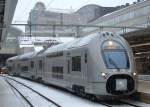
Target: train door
{"x": 43, "y": 67}
{"x": 15, "y": 67}
{"x": 85, "y": 65}
{"x": 78, "y": 68}
{"x": 32, "y": 68}
{"x": 40, "y": 69}
{"x": 68, "y": 77}
{"x": 18, "y": 68}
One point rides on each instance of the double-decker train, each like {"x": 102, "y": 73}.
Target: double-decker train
{"x": 100, "y": 64}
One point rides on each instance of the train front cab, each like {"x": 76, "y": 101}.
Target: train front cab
{"x": 120, "y": 66}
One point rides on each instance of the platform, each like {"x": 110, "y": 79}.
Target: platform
{"x": 7, "y": 96}
{"x": 144, "y": 89}
{"x": 144, "y": 86}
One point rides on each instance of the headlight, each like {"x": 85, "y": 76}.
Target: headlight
{"x": 103, "y": 74}
{"x": 110, "y": 43}
{"x": 134, "y": 74}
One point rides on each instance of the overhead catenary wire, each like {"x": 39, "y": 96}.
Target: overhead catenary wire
{"x": 48, "y": 5}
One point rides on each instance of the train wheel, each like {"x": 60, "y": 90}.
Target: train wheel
{"x": 87, "y": 96}
{"x": 33, "y": 77}
{"x": 79, "y": 90}
{"x": 93, "y": 98}
{"x": 39, "y": 79}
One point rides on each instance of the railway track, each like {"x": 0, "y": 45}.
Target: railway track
{"x": 30, "y": 95}
{"x": 131, "y": 104}
{"x": 121, "y": 103}
{"x": 29, "y": 103}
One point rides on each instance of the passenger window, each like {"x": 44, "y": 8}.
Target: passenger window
{"x": 32, "y": 64}
{"x": 24, "y": 68}
{"x": 85, "y": 57}
{"x": 57, "y": 72}
{"x": 76, "y": 63}
{"x": 57, "y": 54}
{"x": 40, "y": 64}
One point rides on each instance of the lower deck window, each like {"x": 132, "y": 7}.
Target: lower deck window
{"x": 76, "y": 63}
{"x": 40, "y": 65}
{"x": 57, "y": 72}
{"x": 24, "y": 69}
{"x": 32, "y": 64}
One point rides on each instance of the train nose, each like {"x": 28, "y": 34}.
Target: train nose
{"x": 120, "y": 84}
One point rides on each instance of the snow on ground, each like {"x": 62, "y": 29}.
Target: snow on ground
{"x": 9, "y": 97}
{"x": 33, "y": 97}
{"x": 65, "y": 99}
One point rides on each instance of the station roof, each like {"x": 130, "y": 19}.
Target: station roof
{"x": 2, "y": 8}
{"x": 7, "y": 9}
{"x": 139, "y": 40}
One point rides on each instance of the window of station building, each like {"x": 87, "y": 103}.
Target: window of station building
{"x": 76, "y": 63}
{"x": 40, "y": 64}
{"x": 32, "y": 64}
{"x": 57, "y": 72}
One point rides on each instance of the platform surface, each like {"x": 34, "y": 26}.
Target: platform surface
{"x": 144, "y": 86}
{"x": 7, "y": 96}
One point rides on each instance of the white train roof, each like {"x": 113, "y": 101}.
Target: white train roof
{"x": 28, "y": 55}
{"x": 23, "y": 56}
{"x": 13, "y": 58}
{"x": 73, "y": 44}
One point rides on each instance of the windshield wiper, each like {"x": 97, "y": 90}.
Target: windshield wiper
{"x": 112, "y": 62}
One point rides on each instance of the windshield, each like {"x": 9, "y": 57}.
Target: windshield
{"x": 116, "y": 59}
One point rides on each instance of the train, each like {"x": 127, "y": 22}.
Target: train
{"x": 4, "y": 70}
{"x": 99, "y": 64}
